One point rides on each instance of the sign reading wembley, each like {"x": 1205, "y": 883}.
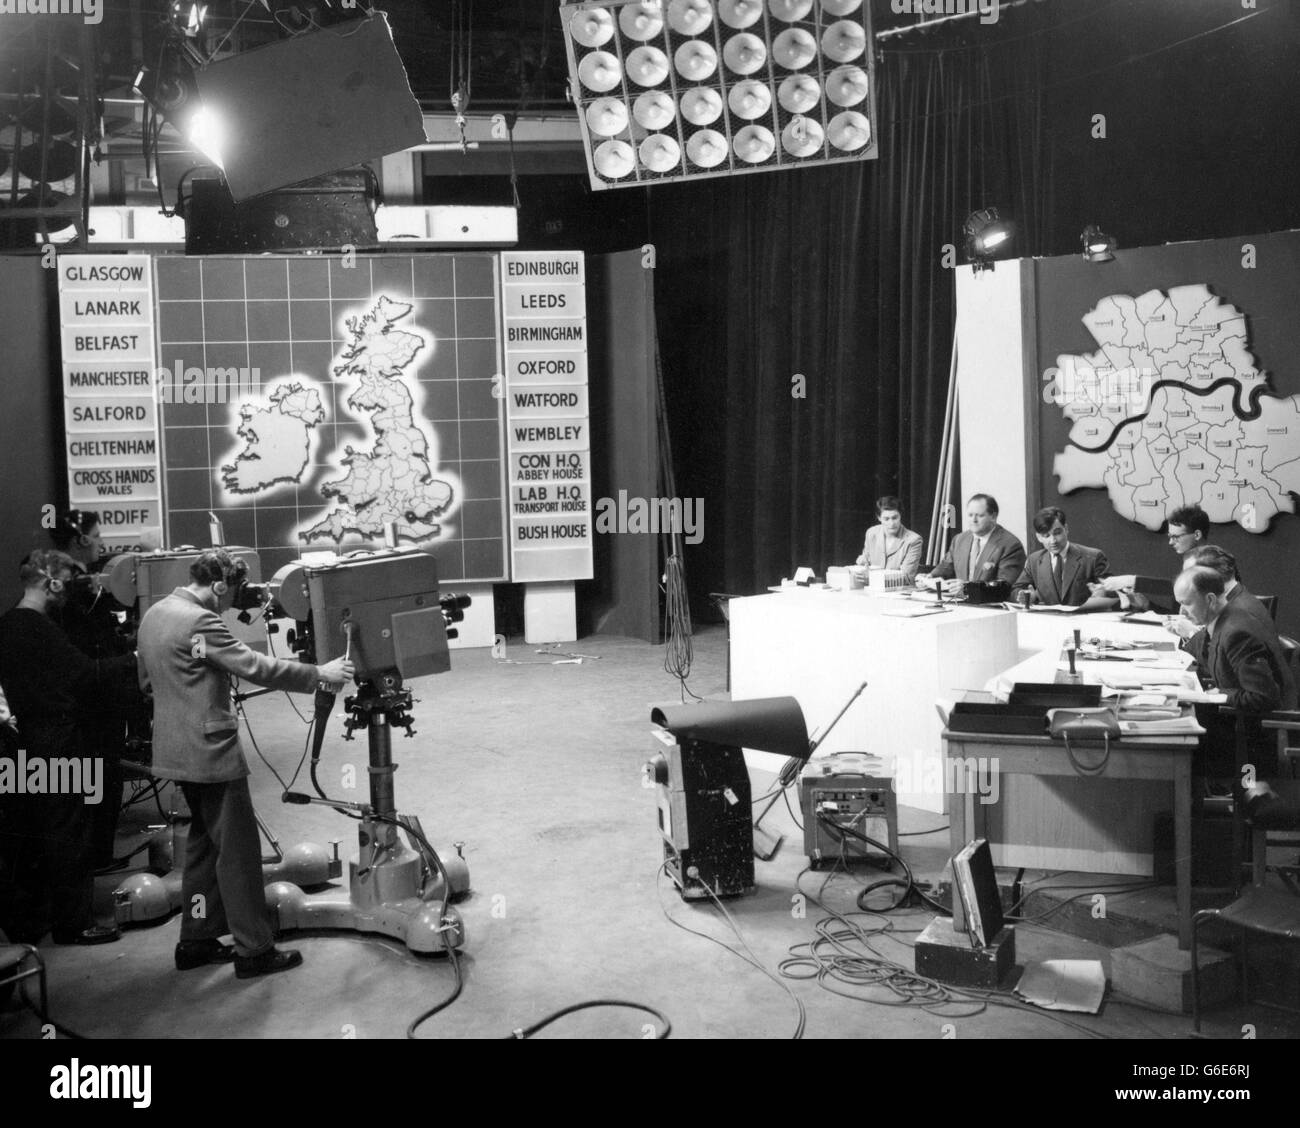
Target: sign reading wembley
{"x": 549, "y": 441}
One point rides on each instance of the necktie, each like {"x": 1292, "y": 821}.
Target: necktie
{"x": 977, "y": 546}
{"x": 1056, "y": 576}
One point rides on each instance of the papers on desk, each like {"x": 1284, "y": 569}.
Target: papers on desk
{"x": 1069, "y": 985}
{"x": 910, "y": 610}
{"x": 1049, "y": 608}
{"x": 1151, "y": 618}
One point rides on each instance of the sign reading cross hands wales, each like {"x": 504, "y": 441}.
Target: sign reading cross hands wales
{"x": 545, "y": 314}
{"x": 1172, "y": 410}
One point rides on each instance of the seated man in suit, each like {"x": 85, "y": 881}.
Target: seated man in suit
{"x": 1189, "y": 529}
{"x": 1235, "y": 594}
{"x": 1061, "y": 572}
{"x": 1243, "y": 660}
{"x": 985, "y": 551}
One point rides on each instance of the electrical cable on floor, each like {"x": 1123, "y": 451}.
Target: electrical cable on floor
{"x": 528, "y": 1031}
{"x": 46, "y": 1020}
{"x": 907, "y": 883}
{"x": 921, "y": 833}
{"x": 1090, "y": 892}
{"x": 750, "y": 959}
{"x": 1040, "y": 887}
{"x": 830, "y": 959}
{"x": 678, "y": 653}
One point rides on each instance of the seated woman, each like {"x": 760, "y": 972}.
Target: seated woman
{"x": 889, "y": 544}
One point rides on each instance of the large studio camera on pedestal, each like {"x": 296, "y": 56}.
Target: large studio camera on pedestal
{"x": 383, "y": 611}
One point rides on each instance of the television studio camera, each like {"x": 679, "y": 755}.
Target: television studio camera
{"x": 382, "y": 610}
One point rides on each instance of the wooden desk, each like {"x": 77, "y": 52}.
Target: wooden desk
{"x": 1165, "y": 758}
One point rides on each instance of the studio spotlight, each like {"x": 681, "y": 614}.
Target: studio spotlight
{"x": 988, "y": 236}
{"x": 206, "y": 134}
{"x": 1097, "y": 245}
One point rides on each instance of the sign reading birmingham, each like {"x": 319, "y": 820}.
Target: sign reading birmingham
{"x": 1171, "y": 411}
{"x": 391, "y": 481}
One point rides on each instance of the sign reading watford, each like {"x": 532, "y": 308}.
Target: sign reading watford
{"x": 545, "y": 311}
{"x": 110, "y": 412}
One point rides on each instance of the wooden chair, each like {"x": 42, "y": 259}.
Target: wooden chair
{"x": 1267, "y": 911}
{"x": 1270, "y": 604}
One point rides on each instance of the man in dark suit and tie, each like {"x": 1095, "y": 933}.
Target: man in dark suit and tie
{"x": 985, "y": 551}
{"x": 1195, "y": 640}
{"x": 1061, "y": 572}
{"x": 1243, "y": 660}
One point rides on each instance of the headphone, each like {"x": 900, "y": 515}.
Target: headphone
{"x": 76, "y": 522}
{"x": 43, "y": 565}
{"x": 233, "y": 570}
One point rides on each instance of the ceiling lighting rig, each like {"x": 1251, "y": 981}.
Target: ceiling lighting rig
{"x": 672, "y": 90}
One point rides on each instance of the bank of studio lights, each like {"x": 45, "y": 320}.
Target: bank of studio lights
{"x": 680, "y": 89}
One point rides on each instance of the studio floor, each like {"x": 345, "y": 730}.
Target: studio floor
{"x": 535, "y": 764}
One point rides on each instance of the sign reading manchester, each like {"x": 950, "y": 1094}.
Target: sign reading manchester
{"x": 548, "y": 429}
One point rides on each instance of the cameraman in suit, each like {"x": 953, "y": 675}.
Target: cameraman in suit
{"x": 985, "y": 551}
{"x": 187, "y": 660}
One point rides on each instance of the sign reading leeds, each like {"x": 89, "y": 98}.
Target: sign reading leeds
{"x": 109, "y": 407}
{"x": 545, "y": 309}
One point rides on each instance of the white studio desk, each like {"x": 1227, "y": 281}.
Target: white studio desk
{"x": 818, "y": 646}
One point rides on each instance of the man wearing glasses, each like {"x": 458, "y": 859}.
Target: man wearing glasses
{"x": 1189, "y": 529}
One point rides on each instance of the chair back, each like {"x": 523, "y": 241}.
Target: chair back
{"x": 1270, "y": 604}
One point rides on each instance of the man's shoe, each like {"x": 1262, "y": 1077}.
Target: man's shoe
{"x": 95, "y": 934}
{"x": 198, "y": 953}
{"x": 267, "y": 963}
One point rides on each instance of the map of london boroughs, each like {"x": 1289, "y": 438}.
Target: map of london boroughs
{"x": 1172, "y": 410}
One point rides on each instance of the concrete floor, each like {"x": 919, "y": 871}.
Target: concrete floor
{"x": 536, "y": 767}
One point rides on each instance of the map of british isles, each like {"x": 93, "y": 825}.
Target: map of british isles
{"x": 391, "y": 480}
{"x": 1172, "y": 410}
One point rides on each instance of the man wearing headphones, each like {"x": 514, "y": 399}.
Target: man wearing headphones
{"x": 187, "y": 659}
{"x": 88, "y": 617}
{"x": 47, "y": 850}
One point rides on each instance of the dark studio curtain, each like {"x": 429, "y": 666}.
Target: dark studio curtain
{"x": 836, "y": 275}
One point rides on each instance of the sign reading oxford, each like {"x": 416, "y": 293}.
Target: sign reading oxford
{"x": 109, "y": 409}
{"x": 548, "y": 428}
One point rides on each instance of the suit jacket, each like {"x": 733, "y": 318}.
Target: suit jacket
{"x": 1245, "y": 660}
{"x": 1003, "y": 557}
{"x": 1082, "y": 566}
{"x": 1197, "y": 646}
{"x": 906, "y": 558}
{"x": 187, "y": 658}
